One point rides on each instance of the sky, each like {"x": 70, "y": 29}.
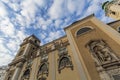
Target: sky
{"x": 43, "y": 18}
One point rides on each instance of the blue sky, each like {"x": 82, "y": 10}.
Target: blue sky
{"x": 44, "y": 18}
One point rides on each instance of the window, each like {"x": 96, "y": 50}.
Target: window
{"x": 116, "y": 77}
{"x": 26, "y": 74}
{"x": 35, "y": 41}
{"x": 42, "y": 78}
{"x": 119, "y": 29}
{"x": 64, "y": 62}
{"x": 43, "y": 69}
{"x": 83, "y": 30}
{"x": 9, "y": 78}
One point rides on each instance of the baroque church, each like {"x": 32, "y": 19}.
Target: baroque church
{"x": 88, "y": 51}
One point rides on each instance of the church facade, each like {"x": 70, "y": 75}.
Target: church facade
{"x": 88, "y": 51}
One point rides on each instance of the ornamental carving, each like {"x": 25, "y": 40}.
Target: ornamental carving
{"x": 44, "y": 65}
{"x": 102, "y": 51}
{"x": 114, "y": 74}
{"x": 60, "y": 44}
{"x": 64, "y": 60}
{"x": 44, "y": 54}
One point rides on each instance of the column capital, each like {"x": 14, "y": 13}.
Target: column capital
{"x": 20, "y": 64}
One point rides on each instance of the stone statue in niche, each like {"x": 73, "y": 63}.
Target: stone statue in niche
{"x": 101, "y": 50}
{"x": 102, "y": 53}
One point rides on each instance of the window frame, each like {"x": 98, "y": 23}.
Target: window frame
{"x": 76, "y": 33}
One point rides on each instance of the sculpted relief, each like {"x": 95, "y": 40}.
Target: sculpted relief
{"x": 102, "y": 51}
{"x": 105, "y": 57}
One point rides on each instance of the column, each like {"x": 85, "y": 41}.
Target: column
{"x": 26, "y": 49}
{"x": 17, "y": 71}
{"x": 82, "y": 74}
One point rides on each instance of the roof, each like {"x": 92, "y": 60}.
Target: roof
{"x": 92, "y": 15}
{"x": 33, "y": 36}
{"x": 113, "y": 22}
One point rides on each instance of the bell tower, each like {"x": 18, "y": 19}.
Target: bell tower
{"x": 25, "y": 53}
{"x": 29, "y": 44}
{"x": 112, "y": 9}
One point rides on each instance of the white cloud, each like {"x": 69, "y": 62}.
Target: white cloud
{"x": 64, "y": 8}
{"x": 3, "y": 11}
{"x": 7, "y": 27}
{"x": 28, "y": 11}
{"x": 5, "y": 59}
{"x": 58, "y": 23}
{"x": 53, "y": 36}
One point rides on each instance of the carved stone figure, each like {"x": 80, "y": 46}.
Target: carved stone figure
{"x": 101, "y": 50}
{"x": 103, "y": 53}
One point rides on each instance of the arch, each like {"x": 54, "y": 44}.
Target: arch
{"x": 118, "y": 29}
{"x": 9, "y": 78}
{"x": 26, "y": 74}
{"x": 42, "y": 78}
{"x": 43, "y": 69}
{"x": 83, "y": 30}
{"x": 64, "y": 62}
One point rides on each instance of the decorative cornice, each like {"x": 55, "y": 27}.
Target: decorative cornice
{"x": 29, "y": 41}
{"x": 20, "y": 64}
{"x": 17, "y": 59}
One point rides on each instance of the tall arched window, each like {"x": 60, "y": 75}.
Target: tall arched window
{"x": 43, "y": 69}
{"x": 9, "y": 78}
{"x": 42, "y": 78}
{"x": 118, "y": 29}
{"x": 26, "y": 74}
{"x": 83, "y": 30}
{"x": 64, "y": 62}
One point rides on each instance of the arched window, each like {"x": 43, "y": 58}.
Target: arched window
{"x": 42, "y": 78}
{"x": 118, "y": 29}
{"x": 83, "y": 30}
{"x": 43, "y": 69}
{"x": 9, "y": 78}
{"x": 26, "y": 74}
{"x": 64, "y": 62}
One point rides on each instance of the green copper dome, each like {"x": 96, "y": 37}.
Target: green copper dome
{"x": 104, "y": 4}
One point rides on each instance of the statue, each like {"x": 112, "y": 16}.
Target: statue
{"x": 101, "y": 50}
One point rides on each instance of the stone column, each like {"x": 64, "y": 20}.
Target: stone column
{"x": 26, "y": 49}
{"x": 17, "y": 71}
